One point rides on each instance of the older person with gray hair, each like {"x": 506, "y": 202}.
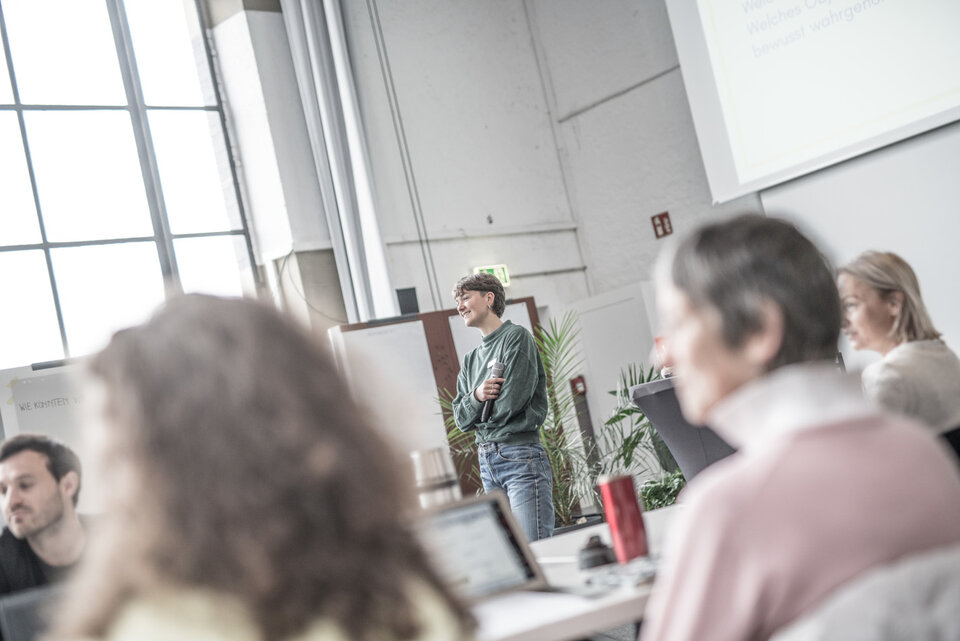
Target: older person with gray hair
{"x": 823, "y": 487}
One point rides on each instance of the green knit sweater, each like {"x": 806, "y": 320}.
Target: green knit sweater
{"x": 522, "y": 405}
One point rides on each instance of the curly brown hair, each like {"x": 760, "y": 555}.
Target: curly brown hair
{"x": 240, "y": 464}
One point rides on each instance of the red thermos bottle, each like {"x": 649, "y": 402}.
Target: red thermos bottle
{"x": 623, "y": 516}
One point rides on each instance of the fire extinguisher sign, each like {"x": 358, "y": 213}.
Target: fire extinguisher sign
{"x": 661, "y": 225}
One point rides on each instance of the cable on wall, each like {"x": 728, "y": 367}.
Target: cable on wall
{"x": 422, "y": 236}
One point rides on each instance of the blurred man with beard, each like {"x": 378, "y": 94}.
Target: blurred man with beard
{"x": 39, "y": 488}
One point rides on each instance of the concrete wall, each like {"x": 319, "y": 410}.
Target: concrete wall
{"x": 281, "y": 191}
{"x": 540, "y": 134}
{"x": 544, "y": 134}
{"x": 626, "y": 131}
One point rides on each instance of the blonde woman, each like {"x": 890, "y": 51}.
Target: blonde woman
{"x": 248, "y": 498}
{"x": 919, "y": 375}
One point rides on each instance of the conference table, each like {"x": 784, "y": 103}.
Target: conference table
{"x": 565, "y": 614}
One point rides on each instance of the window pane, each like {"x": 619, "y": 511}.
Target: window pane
{"x": 63, "y": 52}
{"x": 214, "y": 265}
{"x": 29, "y": 332}
{"x": 6, "y": 91}
{"x": 88, "y": 175}
{"x": 194, "y": 173}
{"x": 18, "y": 213}
{"x": 104, "y": 288}
{"x": 171, "y": 57}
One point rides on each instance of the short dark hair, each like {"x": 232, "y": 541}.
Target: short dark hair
{"x": 483, "y": 282}
{"x": 735, "y": 265}
{"x": 60, "y": 458}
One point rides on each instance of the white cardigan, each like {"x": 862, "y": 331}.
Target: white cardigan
{"x": 920, "y": 379}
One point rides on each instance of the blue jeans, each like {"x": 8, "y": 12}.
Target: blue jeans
{"x": 523, "y": 472}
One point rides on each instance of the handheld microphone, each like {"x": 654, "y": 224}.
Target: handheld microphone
{"x": 496, "y": 371}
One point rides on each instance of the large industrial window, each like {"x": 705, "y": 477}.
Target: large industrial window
{"x": 117, "y": 188}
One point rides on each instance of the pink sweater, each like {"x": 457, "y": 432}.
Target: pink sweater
{"x": 822, "y": 489}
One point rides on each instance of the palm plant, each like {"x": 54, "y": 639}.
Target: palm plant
{"x": 629, "y": 444}
{"x": 558, "y": 345}
{"x": 662, "y": 492}
{"x": 628, "y": 439}
{"x": 463, "y": 446}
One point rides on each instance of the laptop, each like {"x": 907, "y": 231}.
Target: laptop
{"x": 478, "y": 548}
{"x": 24, "y": 615}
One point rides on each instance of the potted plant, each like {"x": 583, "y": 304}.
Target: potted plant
{"x": 657, "y": 493}
{"x": 559, "y": 434}
{"x": 630, "y": 437}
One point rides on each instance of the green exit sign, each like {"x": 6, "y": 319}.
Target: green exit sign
{"x": 500, "y": 271}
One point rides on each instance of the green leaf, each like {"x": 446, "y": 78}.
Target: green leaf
{"x": 663, "y": 492}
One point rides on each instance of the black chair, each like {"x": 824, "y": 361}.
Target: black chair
{"x": 952, "y": 437}
{"x": 25, "y": 615}
{"x": 694, "y": 448}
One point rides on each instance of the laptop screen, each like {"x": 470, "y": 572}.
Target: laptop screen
{"x": 477, "y": 548}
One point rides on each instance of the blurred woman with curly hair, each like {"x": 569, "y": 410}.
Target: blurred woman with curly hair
{"x": 247, "y": 496}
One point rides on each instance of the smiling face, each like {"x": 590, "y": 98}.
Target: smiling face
{"x": 474, "y": 307}
{"x": 32, "y": 499}
{"x": 868, "y": 316}
{"x": 707, "y": 369}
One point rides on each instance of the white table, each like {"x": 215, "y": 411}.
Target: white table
{"x": 559, "y": 616}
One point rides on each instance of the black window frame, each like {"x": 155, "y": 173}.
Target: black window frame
{"x": 162, "y": 236}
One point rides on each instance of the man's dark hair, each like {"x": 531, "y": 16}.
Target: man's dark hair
{"x": 483, "y": 282}
{"x": 735, "y": 265}
{"x": 60, "y": 458}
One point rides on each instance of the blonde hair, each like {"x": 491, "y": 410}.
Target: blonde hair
{"x": 888, "y": 273}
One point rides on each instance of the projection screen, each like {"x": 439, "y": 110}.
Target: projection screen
{"x": 781, "y": 88}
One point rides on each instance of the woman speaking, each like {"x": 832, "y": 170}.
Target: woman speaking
{"x": 919, "y": 376}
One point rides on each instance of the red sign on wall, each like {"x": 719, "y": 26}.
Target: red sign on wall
{"x": 661, "y": 224}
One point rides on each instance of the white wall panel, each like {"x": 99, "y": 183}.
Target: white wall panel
{"x": 276, "y": 162}
{"x": 523, "y": 254}
{"x": 904, "y": 198}
{"x": 475, "y": 84}
{"x": 391, "y": 196}
{"x": 630, "y": 159}
{"x": 473, "y": 110}
{"x": 598, "y": 49}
